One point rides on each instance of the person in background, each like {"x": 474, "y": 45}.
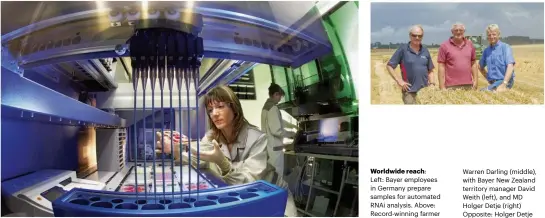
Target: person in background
{"x": 457, "y": 61}
{"x": 272, "y": 125}
{"x": 233, "y": 149}
{"x": 499, "y": 62}
{"x": 416, "y": 66}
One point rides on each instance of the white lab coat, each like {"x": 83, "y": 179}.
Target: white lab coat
{"x": 249, "y": 163}
{"x": 272, "y": 125}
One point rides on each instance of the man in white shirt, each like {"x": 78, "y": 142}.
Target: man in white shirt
{"x": 272, "y": 126}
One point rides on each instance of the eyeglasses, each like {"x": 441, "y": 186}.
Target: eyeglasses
{"x": 417, "y": 36}
{"x": 220, "y": 107}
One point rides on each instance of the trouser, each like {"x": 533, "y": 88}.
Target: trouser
{"x": 276, "y": 158}
{"x": 462, "y": 87}
{"x": 409, "y": 97}
{"x": 493, "y": 84}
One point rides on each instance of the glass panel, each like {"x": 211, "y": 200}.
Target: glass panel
{"x": 333, "y": 70}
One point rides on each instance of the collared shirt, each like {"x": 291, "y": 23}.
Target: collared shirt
{"x": 414, "y": 65}
{"x": 272, "y": 125}
{"x": 496, "y": 58}
{"x": 249, "y": 163}
{"x": 458, "y": 61}
{"x": 248, "y": 157}
{"x": 239, "y": 145}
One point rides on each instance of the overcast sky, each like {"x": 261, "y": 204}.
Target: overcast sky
{"x": 390, "y": 22}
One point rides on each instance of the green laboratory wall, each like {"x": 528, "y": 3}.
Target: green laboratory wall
{"x": 341, "y": 26}
{"x": 342, "y": 29}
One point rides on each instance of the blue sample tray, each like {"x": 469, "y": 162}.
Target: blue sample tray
{"x": 255, "y": 199}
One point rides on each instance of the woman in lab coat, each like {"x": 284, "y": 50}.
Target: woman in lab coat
{"x": 237, "y": 150}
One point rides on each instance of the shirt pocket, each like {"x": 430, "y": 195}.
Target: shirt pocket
{"x": 488, "y": 60}
{"x": 498, "y": 58}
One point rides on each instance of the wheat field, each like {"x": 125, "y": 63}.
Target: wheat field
{"x": 528, "y": 88}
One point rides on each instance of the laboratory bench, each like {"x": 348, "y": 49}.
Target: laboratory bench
{"x": 326, "y": 194}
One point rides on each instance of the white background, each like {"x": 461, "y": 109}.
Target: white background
{"x": 443, "y": 140}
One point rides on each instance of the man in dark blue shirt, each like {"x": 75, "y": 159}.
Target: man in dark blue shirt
{"x": 416, "y": 66}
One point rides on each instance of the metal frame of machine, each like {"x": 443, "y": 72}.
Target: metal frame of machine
{"x": 275, "y": 45}
{"x": 100, "y": 44}
{"x": 30, "y": 193}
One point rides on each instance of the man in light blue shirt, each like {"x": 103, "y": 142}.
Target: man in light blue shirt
{"x": 499, "y": 61}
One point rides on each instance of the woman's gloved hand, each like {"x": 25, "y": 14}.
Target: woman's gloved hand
{"x": 177, "y": 138}
{"x": 213, "y": 154}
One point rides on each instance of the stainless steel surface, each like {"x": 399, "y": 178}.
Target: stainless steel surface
{"x": 217, "y": 73}
{"x": 76, "y": 11}
{"x": 101, "y": 36}
{"x": 100, "y": 176}
{"x": 311, "y": 184}
{"x": 321, "y": 156}
{"x": 226, "y": 75}
{"x": 10, "y": 62}
{"x": 343, "y": 179}
{"x": 118, "y": 178}
{"x": 237, "y": 73}
{"x": 220, "y": 71}
{"x": 71, "y": 53}
{"x": 101, "y": 76}
{"x": 304, "y": 212}
{"x": 107, "y": 75}
{"x": 36, "y": 26}
{"x": 111, "y": 149}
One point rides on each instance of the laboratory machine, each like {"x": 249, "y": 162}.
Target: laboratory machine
{"x": 337, "y": 135}
{"x": 85, "y": 87}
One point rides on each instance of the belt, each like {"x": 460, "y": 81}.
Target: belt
{"x": 494, "y": 80}
{"x": 278, "y": 148}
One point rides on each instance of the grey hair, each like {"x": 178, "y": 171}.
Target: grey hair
{"x": 458, "y": 24}
{"x": 493, "y": 27}
{"x": 416, "y": 26}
